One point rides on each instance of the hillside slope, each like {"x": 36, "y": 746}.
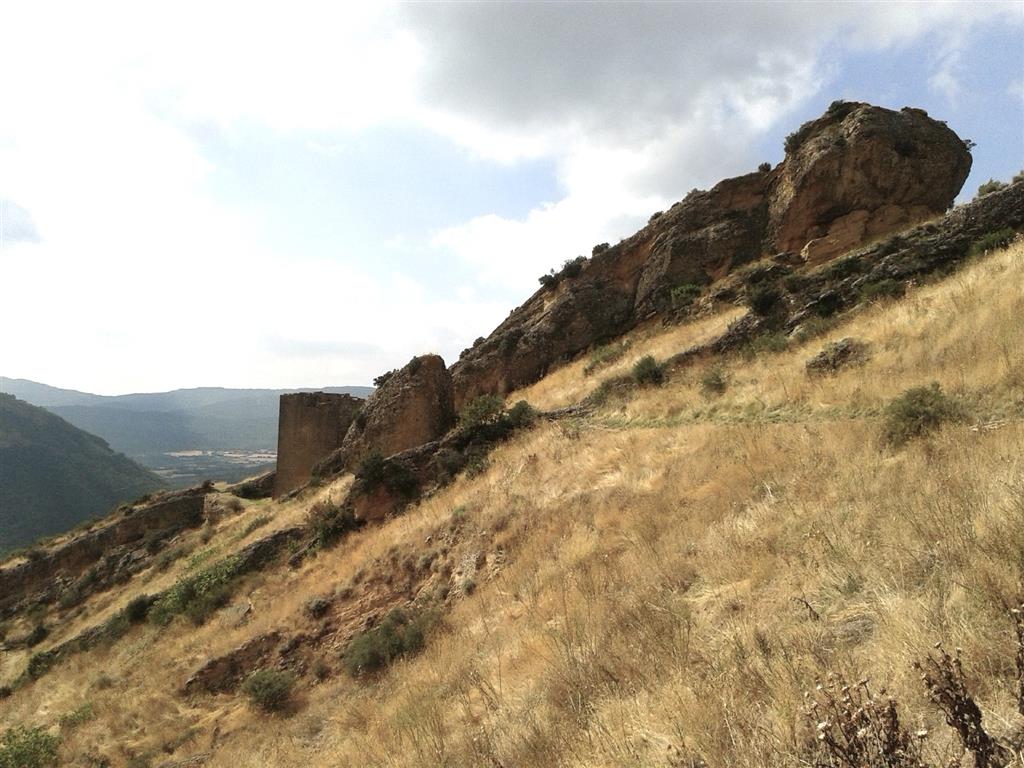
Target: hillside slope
{"x": 53, "y": 475}
{"x": 655, "y": 581}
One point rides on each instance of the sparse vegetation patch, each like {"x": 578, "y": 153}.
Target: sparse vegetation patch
{"x": 269, "y": 689}
{"x": 917, "y": 412}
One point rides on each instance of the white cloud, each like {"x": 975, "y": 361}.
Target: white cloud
{"x": 144, "y": 278}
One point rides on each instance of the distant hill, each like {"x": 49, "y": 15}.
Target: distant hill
{"x": 149, "y": 426}
{"x": 54, "y": 475}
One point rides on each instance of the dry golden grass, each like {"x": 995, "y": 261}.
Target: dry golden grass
{"x": 665, "y": 579}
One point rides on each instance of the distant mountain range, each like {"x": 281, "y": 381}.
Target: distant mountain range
{"x": 53, "y": 475}
{"x": 227, "y": 434}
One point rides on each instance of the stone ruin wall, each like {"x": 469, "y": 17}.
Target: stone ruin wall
{"x": 311, "y": 425}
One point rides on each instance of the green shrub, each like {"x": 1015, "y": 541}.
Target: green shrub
{"x": 993, "y": 241}
{"x": 1018, "y": 177}
{"x": 254, "y": 524}
{"x": 37, "y": 635}
{"x": 76, "y": 717}
{"x": 573, "y": 267}
{"x": 918, "y": 411}
{"x": 684, "y": 295}
{"x": 328, "y": 522}
{"x": 138, "y": 608}
{"x": 397, "y": 635}
{"x": 197, "y": 594}
{"x": 605, "y": 355}
{"x": 28, "y": 748}
{"x": 602, "y": 247}
{"x": 520, "y": 415}
{"x": 764, "y": 167}
{"x": 316, "y": 607}
{"x": 990, "y": 186}
{"x": 269, "y": 689}
{"x": 765, "y": 344}
{"x": 550, "y": 280}
{"x": 481, "y": 410}
{"x": 647, "y": 370}
{"x": 764, "y": 299}
{"x": 813, "y": 327}
{"x": 714, "y": 380}
{"x": 883, "y": 289}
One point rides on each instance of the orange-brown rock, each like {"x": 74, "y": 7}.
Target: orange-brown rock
{"x": 310, "y": 426}
{"x": 859, "y": 172}
{"x": 855, "y": 174}
{"x": 411, "y": 407}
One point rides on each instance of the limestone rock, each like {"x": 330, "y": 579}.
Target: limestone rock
{"x": 412, "y": 407}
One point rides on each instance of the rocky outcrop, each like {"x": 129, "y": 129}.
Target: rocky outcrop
{"x": 412, "y": 406}
{"x": 223, "y": 674}
{"x": 860, "y": 172}
{"x": 835, "y": 355}
{"x": 857, "y": 173}
{"x": 310, "y": 426}
{"x": 109, "y": 553}
{"x": 259, "y": 487}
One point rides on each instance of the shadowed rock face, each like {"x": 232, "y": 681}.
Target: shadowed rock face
{"x": 412, "y": 407}
{"x": 855, "y": 174}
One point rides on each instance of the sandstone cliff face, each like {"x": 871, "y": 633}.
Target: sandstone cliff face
{"x": 857, "y": 173}
{"x": 412, "y": 407}
{"x": 310, "y": 426}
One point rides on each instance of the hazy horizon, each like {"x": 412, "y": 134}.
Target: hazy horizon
{"x": 256, "y": 198}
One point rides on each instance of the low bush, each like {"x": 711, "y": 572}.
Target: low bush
{"x": 764, "y": 167}
{"x": 37, "y": 635}
{"x": 76, "y": 717}
{"x": 918, "y": 411}
{"x": 28, "y": 748}
{"x": 328, "y": 522}
{"x": 764, "y": 300}
{"x": 647, "y": 370}
{"x": 269, "y": 689}
{"x": 397, "y": 635}
{"x": 138, "y": 608}
{"x": 254, "y": 524}
{"x": 883, "y": 289}
{"x": 714, "y": 381}
{"x": 481, "y": 410}
{"x": 602, "y": 247}
{"x": 990, "y": 186}
{"x": 198, "y": 595}
{"x": 605, "y": 355}
{"x": 993, "y": 241}
{"x": 520, "y": 415}
{"x": 684, "y": 295}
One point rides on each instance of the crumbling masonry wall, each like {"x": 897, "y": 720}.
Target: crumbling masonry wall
{"x": 310, "y": 426}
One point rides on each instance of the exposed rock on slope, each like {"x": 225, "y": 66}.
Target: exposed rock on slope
{"x": 856, "y": 173}
{"x": 107, "y": 554}
{"x": 859, "y": 172}
{"x": 412, "y": 407}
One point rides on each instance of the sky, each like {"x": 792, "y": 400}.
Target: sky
{"x": 308, "y": 194}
